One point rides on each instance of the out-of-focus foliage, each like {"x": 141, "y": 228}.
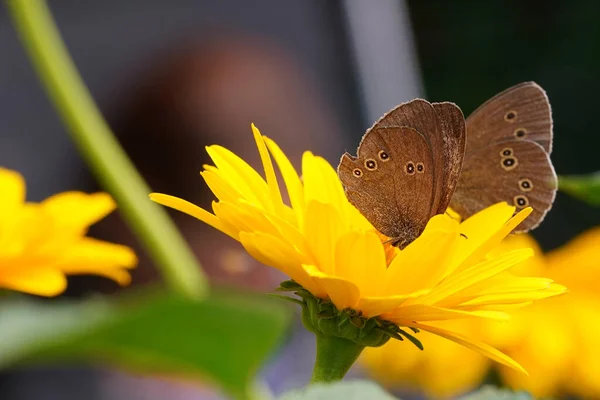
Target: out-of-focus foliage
{"x": 224, "y": 338}
{"x": 583, "y": 187}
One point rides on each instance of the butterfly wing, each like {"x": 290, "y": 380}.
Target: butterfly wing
{"x": 454, "y": 137}
{"x": 443, "y": 127}
{"x": 391, "y": 181}
{"x": 519, "y": 118}
{"x": 420, "y": 115}
{"x": 516, "y": 171}
{"x": 521, "y": 112}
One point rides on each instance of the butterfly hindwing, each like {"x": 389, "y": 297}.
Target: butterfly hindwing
{"x": 518, "y": 172}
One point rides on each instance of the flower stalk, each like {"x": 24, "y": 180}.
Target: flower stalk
{"x": 335, "y": 356}
{"x": 99, "y": 147}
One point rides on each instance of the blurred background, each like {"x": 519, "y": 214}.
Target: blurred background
{"x": 173, "y": 77}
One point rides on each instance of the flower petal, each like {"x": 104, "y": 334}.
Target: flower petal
{"x": 515, "y": 298}
{"x": 406, "y": 314}
{"x": 479, "y": 347}
{"x": 576, "y": 264}
{"x": 77, "y": 210}
{"x": 13, "y": 192}
{"x": 322, "y": 184}
{"x": 374, "y": 306}
{"x": 476, "y": 249}
{"x": 432, "y": 251}
{"x": 359, "y": 258}
{"x": 241, "y": 176}
{"x": 275, "y": 253}
{"x": 290, "y": 177}
{"x": 323, "y": 228}
{"x": 343, "y": 293}
{"x": 41, "y": 281}
{"x": 276, "y": 200}
{"x": 193, "y": 210}
{"x": 479, "y": 272}
{"x": 218, "y": 185}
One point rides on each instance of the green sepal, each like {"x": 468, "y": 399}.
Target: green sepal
{"x": 321, "y": 317}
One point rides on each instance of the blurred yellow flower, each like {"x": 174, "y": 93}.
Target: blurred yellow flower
{"x": 324, "y": 244}
{"x": 555, "y": 340}
{"x": 40, "y": 243}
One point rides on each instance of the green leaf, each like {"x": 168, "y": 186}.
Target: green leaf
{"x": 347, "y": 390}
{"x": 494, "y": 393}
{"x": 583, "y": 187}
{"x": 223, "y": 338}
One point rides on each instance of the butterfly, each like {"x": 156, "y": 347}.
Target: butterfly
{"x": 420, "y": 158}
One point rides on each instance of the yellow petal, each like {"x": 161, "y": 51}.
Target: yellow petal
{"x": 275, "y": 253}
{"x": 576, "y": 263}
{"x": 487, "y": 219}
{"x": 94, "y": 257}
{"x": 12, "y": 187}
{"x": 516, "y": 298}
{"x": 374, "y": 306}
{"x": 236, "y": 217}
{"x": 191, "y": 209}
{"x": 323, "y": 228}
{"x": 91, "y": 254}
{"x": 503, "y": 283}
{"x": 485, "y": 242}
{"x": 534, "y": 266}
{"x": 41, "y": 281}
{"x": 241, "y": 175}
{"x": 359, "y": 258}
{"x": 344, "y": 294}
{"x": 479, "y": 347}
{"x": 290, "y": 177}
{"x": 322, "y": 184}
{"x": 269, "y": 170}
{"x": 78, "y": 210}
{"x": 474, "y": 274}
{"x": 432, "y": 251}
{"x": 406, "y": 314}
{"x": 291, "y": 233}
{"x": 219, "y": 185}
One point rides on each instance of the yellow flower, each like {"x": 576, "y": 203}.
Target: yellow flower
{"x": 324, "y": 244}
{"x": 555, "y": 340}
{"x": 40, "y": 243}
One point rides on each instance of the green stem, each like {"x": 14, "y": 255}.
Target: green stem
{"x": 335, "y": 356}
{"x": 99, "y": 147}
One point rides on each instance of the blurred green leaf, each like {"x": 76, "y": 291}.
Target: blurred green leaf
{"x": 494, "y": 393}
{"x": 583, "y": 187}
{"x": 347, "y": 390}
{"x": 224, "y": 338}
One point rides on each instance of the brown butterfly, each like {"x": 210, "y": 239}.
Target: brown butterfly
{"x": 406, "y": 168}
{"x": 408, "y": 163}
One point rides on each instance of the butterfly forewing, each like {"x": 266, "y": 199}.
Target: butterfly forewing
{"x": 391, "y": 181}
{"x": 420, "y": 115}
